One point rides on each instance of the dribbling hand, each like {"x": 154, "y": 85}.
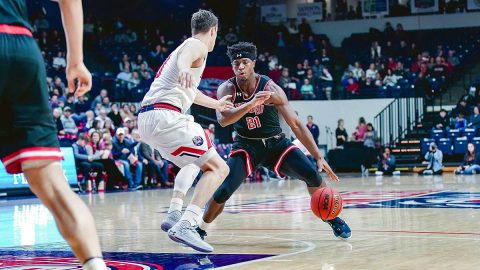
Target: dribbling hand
{"x": 225, "y": 104}
{"x": 83, "y": 77}
{"x": 323, "y": 166}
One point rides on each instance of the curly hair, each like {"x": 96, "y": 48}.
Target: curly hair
{"x": 242, "y": 50}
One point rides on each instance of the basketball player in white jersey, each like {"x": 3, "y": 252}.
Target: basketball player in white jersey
{"x": 164, "y": 124}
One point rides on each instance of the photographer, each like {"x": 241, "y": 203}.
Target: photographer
{"x": 434, "y": 159}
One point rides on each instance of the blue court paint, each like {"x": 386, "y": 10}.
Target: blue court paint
{"x": 123, "y": 260}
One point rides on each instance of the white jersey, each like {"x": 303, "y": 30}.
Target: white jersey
{"x": 166, "y": 88}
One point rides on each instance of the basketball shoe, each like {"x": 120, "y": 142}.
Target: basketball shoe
{"x": 202, "y": 233}
{"x": 171, "y": 219}
{"x": 340, "y": 228}
{"x": 183, "y": 232}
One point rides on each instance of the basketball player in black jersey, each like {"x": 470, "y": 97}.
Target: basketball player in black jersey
{"x": 260, "y": 141}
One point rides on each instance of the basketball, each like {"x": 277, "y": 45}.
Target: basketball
{"x": 326, "y": 203}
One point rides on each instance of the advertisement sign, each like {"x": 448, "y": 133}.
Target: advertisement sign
{"x": 18, "y": 181}
{"x": 424, "y": 6}
{"x": 309, "y": 11}
{"x": 473, "y": 4}
{"x": 374, "y": 7}
{"x": 274, "y": 13}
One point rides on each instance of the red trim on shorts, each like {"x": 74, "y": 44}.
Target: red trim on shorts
{"x": 280, "y": 160}
{"x": 209, "y": 143}
{"x": 15, "y": 30}
{"x": 13, "y": 162}
{"x": 190, "y": 150}
{"x": 249, "y": 166}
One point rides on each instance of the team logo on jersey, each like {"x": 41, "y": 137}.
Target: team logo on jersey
{"x": 197, "y": 140}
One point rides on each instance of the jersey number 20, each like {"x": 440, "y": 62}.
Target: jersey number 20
{"x": 253, "y": 122}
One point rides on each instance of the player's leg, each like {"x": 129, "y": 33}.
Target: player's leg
{"x": 30, "y": 144}
{"x": 238, "y": 172}
{"x": 183, "y": 181}
{"x": 296, "y": 165}
{"x": 73, "y": 219}
{"x": 214, "y": 172}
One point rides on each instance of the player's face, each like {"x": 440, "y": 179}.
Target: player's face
{"x": 243, "y": 68}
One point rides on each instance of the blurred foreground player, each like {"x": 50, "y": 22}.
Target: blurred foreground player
{"x": 260, "y": 140}
{"x": 27, "y": 132}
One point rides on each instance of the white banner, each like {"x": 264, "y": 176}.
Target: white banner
{"x": 274, "y": 13}
{"x": 473, "y": 4}
{"x": 309, "y": 11}
{"x": 424, "y": 6}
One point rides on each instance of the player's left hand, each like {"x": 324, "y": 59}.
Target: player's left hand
{"x": 83, "y": 77}
{"x": 224, "y": 103}
{"x": 323, "y": 166}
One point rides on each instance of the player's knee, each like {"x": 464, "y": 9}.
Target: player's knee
{"x": 223, "y": 170}
{"x": 312, "y": 178}
{"x": 222, "y": 194}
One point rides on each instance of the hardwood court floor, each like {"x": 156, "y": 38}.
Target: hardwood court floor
{"x": 405, "y": 222}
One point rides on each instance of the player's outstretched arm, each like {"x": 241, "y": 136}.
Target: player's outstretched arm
{"x": 230, "y": 116}
{"x": 299, "y": 129}
{"x": 72, "y": 18}
{"x": 220, "y": 105}
{"x": 191, "y": 55}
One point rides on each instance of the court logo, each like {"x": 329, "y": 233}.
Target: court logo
{"x": 197, "y": 140}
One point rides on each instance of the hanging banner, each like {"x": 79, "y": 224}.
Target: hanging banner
{"x": 274, "y": 13}
{"x": 374, "y": 7}
{"x": 424, "y": 6}
{"x": 473, "y": 4}
{"x": 309, "y": 11}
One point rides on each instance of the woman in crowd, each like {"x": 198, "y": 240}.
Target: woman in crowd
{"x": 387, "y": 164}
{"x": 359, "y": 133}
{"x": 341, "y": 134}
{"x": 471, "y": 162}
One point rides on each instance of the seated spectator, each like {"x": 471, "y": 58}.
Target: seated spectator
{"x": 352, "y": 87}
{"x": 475, "y": 118}
{"x": 434, "y": 158}
{"x": 59, "y": 62}
{"x": 136, "y": 66}
{"x": 145, "y": 72}
{"x": 89, "y": 120}
{"x": 68, "y": 123}
{"x": 442, "y": 121}
{"x": 81, "y": 105}
{"x": 125, "y": 62}
{"x": 299, "y": 73}
{"x": 125, "y": 75}
{"x": 99, "y": 98}
{"x": 390, "y": 79}
{"x": 357, "y": 71}
{"x": 341, "y": 134}
{"x": 471, "y": 162}
{"x": 307, "y": 90}
{"x": 439, "y": 70}
{"x": 461, "y": 108}
{"x": 453, "y": 59}
{"x": 102, "y": 117}
{"x": 371, "y": 72}
{"x": 391, "y": 64}
{"x": 387, "y": 164}
{"x": 125, "y": 112}
{"x": 370, "y": 137}
{"x": 155, "y": 165}
{"x": 460, "y": 122}
{"x": 106, "y": 105}
{"x": 317, "y": 67}
{"x": 104, "y": 156}
{"x": 115, "y": 116}
{"x": 86, "y": 162}
{"x": 58, "y": 122}
{"x": 123, "y": 152}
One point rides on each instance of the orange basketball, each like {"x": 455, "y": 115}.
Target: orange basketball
{"x": 326, "y": 203}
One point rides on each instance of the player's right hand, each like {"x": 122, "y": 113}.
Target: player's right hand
{"x": 225, "y": 104}
{"x": 323, "y": 165}
{"x": 80, "y": 73}
{"x": 261, "y": 97}
{"x": 185, "y": 78}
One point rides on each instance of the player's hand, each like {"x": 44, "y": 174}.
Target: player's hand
{"x": 260, "y": 98}
{"x": 83, "y": 77}
{"x": 323, "y": 166}
{"x": 185, "y": 78}
{"x": 224, "y": 103}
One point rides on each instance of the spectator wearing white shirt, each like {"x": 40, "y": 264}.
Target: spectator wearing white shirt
{"x": 372, "y": 72}
{"x": 59, "y": 61}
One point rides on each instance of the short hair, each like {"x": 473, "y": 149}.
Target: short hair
{"x": 202, "y": 21}
{"x": 310, "y": 116}
{"x": 82, "y": 137}
{"x": 242, "y": 47}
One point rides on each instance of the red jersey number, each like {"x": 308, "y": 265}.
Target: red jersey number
{"x": 162, "y": 66}
{"x": 253, "y": 122}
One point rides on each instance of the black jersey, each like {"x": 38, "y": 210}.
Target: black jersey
{"x": 14, "y": 12}
{"x": 261, "y": 121}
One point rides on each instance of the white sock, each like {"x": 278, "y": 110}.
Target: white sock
{"x": 95, "y": 264}
{"x": 176, "y": 204}
{"x": 193, "y": 214}
{"x": 204, "y": 225}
